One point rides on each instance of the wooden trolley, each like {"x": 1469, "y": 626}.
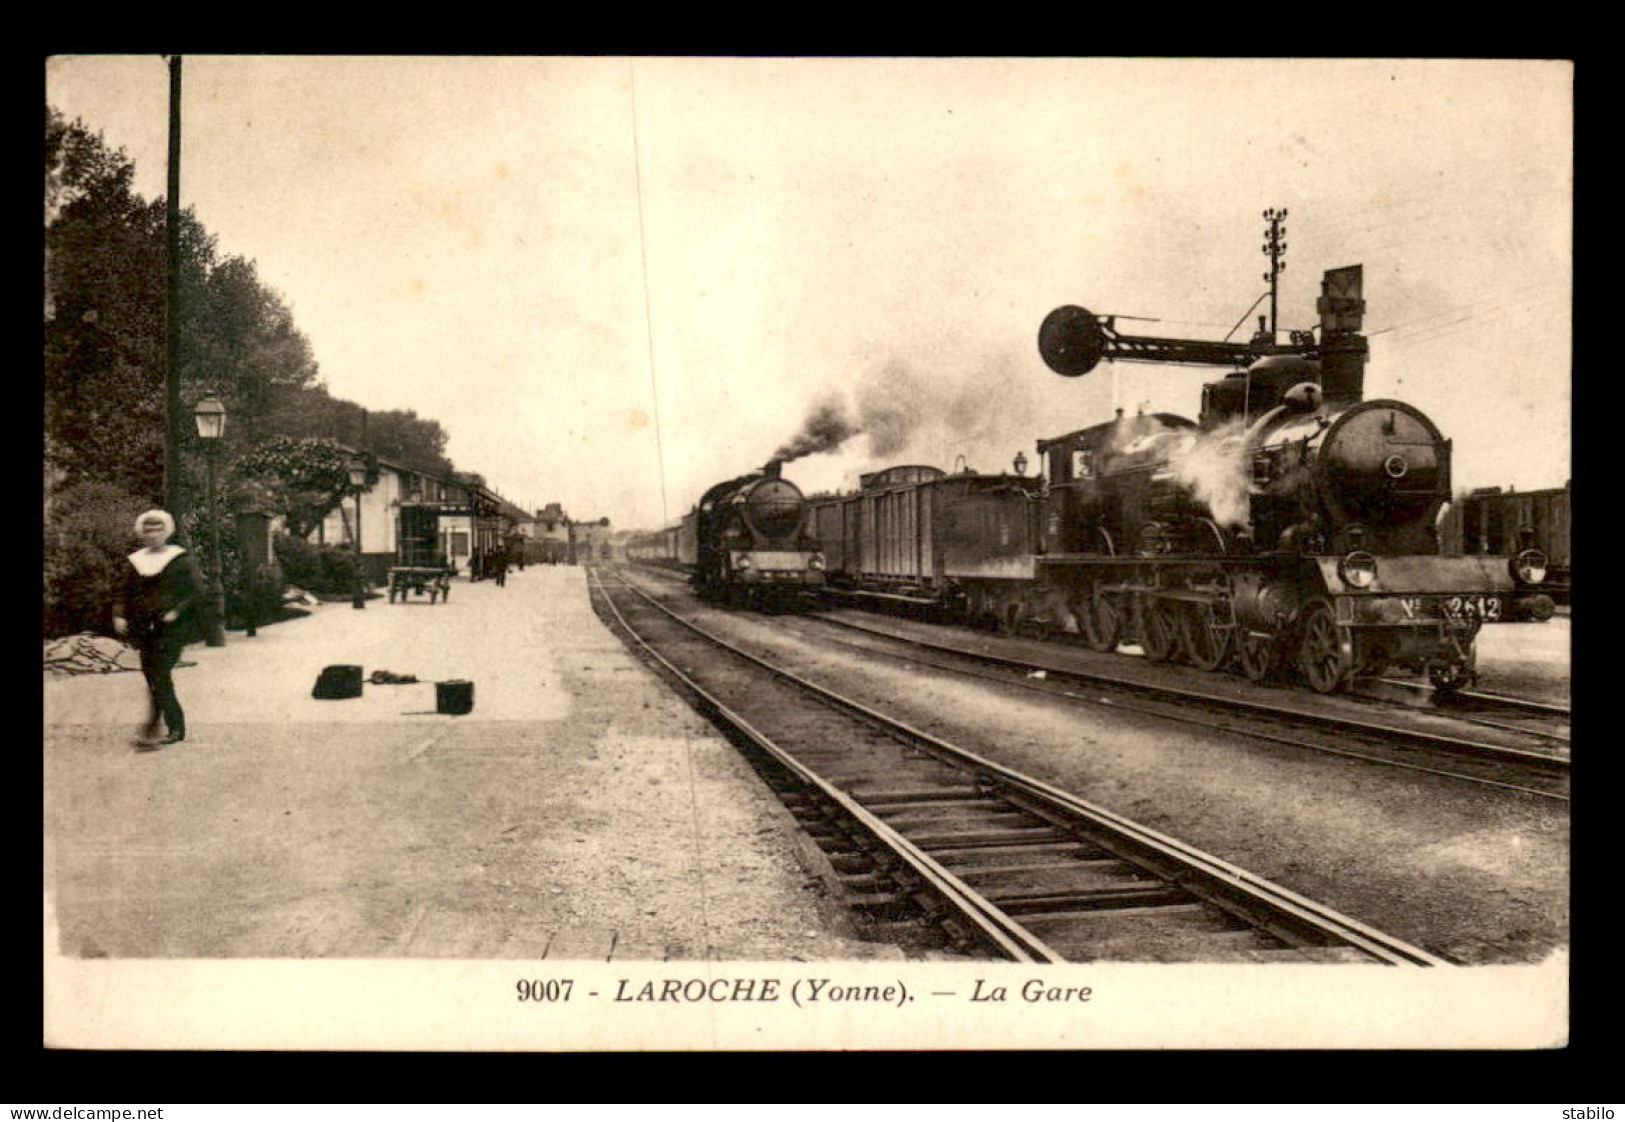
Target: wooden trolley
{"x": 406, "y": 581}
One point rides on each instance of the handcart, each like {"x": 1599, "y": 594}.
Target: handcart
{"x": 406, "y": 581}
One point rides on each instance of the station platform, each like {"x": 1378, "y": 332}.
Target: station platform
{"x": 580, "y": 811}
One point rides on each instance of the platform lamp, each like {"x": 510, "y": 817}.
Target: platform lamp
{"x": 210, "y": 416}
{"x": 358, "y": 482}
{"x": 1020, "y": 463}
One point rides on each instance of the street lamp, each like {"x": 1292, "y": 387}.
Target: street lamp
{"x": 358, "y": 481}
{"x": 1020, "y": 463}
{"x": 210, "y": 416}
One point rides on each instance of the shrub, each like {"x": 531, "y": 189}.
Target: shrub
{"x": 89, "y": 531}
{"x": 300, "y": 566}
{"x": 327, "y": 570}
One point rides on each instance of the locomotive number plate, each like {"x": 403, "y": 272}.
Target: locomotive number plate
{"x": 1421, "y": 609}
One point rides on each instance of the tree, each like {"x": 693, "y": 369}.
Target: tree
{"x": 402, "y": 437}
{"x": 239, "y": 340}
{"x": 103, "y": 334}
{"x": 305, "y": 479}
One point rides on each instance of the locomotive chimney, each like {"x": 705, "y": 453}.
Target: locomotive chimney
{"x": 771, "y": 468}
{"x": 1342, "y": 347}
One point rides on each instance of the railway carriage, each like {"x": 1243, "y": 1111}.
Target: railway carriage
{"x": 1491, "y": 521}
{"x": 658, "y": 547}
{"x": 915, "y": 534}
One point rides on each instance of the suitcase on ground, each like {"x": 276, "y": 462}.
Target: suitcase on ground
{"x": 455, "y": 697}
{"x": 336, "y": 682}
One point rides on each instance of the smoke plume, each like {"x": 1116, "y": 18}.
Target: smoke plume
{"x": 983, "y": 406}
{"x": 826, "y": 428}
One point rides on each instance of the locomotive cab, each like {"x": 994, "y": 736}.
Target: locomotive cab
{"x": 1110, "y": 482}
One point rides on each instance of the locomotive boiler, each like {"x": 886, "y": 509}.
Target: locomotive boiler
{"x": 748, "y": 541}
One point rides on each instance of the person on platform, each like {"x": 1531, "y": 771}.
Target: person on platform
{"x": 499, "y": 567}
{"x": 156, "y": 609}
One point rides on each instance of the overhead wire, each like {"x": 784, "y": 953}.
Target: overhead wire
{"x": 648, "y": 313}
{"x": 1491, "y": 302}
{"x": 1466, "y": 323}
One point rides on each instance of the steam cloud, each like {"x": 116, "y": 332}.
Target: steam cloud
{"x": 1216, "y": 472}
{"x": 1209, "y": 463}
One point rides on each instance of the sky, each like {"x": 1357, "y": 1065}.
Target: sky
{"x": 617, "y": 281}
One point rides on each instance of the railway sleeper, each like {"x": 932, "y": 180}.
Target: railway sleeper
{"x": 987, "y": 816}
{"x": 1029, "y": 868}
{"x": 1075, "y": 878}
{"x": 1145, "y": 895}
{"x": 939, "y": 806}
{"x": 888, "y": 904}
{"x": 980, "y": 839}
{"x": 821, "y": 830}
{"x": 997, "y": 857}
{"x": 851, "y": 862}
{"x": 1149, "y": 911}
{"x": 873, "y": 881}
{"x": 873, "y": 797}
{"x": 813, "y": 815}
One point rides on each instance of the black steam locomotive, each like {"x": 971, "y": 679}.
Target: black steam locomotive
{"x": 1292, "y": 524}
{"x": 748, "y": 542}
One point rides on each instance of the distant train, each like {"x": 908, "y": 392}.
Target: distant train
{"x": 655, "y": 547}
{"x": 747, "y": 542}
{"x": 1294, "y": 524}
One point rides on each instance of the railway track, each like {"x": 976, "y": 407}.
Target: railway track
{"x": 1524, "y": 716}
{"x": 1009, "y": 866}
{"x": 1531, "y": 758}
{"x": 1530, "y": 767}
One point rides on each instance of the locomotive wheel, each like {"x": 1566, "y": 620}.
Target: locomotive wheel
{"x": 1258, "y": 656}
{"x": 1103, "y": 618}
{"x": 1325, "y": 650}
{"x": 1206, "y": 640}
{"x": 1159, "y": 630}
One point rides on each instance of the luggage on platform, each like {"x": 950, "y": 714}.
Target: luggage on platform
{"x": 455, "y": 697}
{"x": 336, "y": 682}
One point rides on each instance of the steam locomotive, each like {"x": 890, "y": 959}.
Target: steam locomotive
{"x": 747, "y": 542}
{"x": 1293, "y": 524}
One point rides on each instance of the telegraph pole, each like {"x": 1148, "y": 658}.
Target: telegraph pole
{"x": 1275, "y": 250}
{"x": 174, "y": 419}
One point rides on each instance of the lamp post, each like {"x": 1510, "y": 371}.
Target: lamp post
{"x": 210, "y": 416}
{"x": 358, "y": 480}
